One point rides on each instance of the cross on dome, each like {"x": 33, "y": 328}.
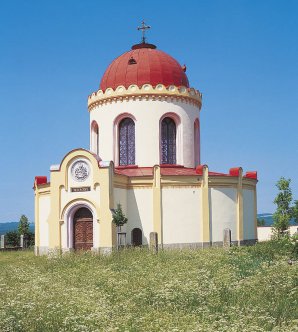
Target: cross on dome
{"x": 143, "y": 28}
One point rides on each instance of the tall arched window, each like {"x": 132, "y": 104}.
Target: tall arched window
{"x": 168, "y": 141}
{"x": 94, "y": 138}
{"x": 127, "y": 142}
{"x": 197, "y": 142}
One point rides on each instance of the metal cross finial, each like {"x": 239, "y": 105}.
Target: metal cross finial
{"x": 144, "y": 27}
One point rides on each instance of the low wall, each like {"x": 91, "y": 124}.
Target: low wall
{"x": 265, "y": 233}
{"x": 11, "y": 249}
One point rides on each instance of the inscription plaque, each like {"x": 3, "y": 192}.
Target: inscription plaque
{"x": 80, "y": 189}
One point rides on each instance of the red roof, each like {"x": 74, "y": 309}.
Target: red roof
{"x": 132, "y": 171}
{"x": 144, "y": 64}
{"x": 40, "y": 180}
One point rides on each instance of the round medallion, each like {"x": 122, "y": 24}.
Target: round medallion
{"x": 80, "y": 171}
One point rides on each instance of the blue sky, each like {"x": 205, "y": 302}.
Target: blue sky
{"x": 242, "y": 55}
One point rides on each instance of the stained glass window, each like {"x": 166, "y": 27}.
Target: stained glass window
{"x": 168, "y": 141}
{"x": 127, "y": 142}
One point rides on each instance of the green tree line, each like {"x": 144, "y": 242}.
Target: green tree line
{"x": 12, "y": 238}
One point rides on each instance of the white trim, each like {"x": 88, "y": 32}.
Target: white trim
{"x": 55, "y": 167}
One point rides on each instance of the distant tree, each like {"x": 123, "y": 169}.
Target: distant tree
{"x": 119, "y": 218}
{"x": 295, "y": 211}
{"x": 30, "y": 239}
{"x": 284, "y": 212}
{"x": 23, "y": 228}
{"x": 260, "y": 222}
{"x": 12, "y": 239}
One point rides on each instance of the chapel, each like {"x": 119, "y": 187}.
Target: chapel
{"x": 145, "y": 155}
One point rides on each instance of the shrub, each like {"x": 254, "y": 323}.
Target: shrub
{"x": 294, "y": 251}
{"x": 12, "y": 239}
{"x": 119, "y": 218}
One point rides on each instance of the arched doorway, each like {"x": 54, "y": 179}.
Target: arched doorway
{"x": 83, "y": 229}
{"x": 136, "y": 237}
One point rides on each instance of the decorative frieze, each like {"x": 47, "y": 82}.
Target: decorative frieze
{"x": 146, "y": 92}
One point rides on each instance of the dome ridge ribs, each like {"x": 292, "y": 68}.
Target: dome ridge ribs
{"x": 131, "y": 70}
{"x": 120, "y": 75}
{"x": 156, "y": 75}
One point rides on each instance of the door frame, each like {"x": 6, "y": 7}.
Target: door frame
{"x": 68, "y": 215}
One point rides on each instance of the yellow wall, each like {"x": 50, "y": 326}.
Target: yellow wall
{"x": 103, "y": 181}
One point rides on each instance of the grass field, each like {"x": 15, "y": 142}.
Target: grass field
{"x": 247, "y": 289}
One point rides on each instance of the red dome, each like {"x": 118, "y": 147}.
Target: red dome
{"x": 143, "y": 64}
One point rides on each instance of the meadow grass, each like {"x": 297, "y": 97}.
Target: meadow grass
{"x": 241, "y": 289}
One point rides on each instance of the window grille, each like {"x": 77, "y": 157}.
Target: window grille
{"x": 127, "y": 142}
{"x": 168, "y": 141}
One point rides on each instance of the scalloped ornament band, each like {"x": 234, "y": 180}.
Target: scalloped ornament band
{"x": 147, "y": 91}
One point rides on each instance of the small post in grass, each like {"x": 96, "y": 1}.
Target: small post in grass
{"x": 154, "y": 242}
{"x": 226, "y": 238}
{"x": 2, "y": 241}
{"x": 121, "y": 238}
{"x": 22, "y": 241}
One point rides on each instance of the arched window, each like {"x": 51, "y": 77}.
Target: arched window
{"x": 127, "y": 142}
{"x": 197, "y": 142}
{"x": 168, "y": 141}
{"x": 94, "y": 138}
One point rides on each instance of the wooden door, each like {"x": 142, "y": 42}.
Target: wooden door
{"x": 83, "y": 230}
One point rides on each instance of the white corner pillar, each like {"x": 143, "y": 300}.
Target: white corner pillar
{"x": 206, "y": 241}
{"x": 157, "y": 215}
{"x": 240, "y": 208}
{"x": 107, "y": 235}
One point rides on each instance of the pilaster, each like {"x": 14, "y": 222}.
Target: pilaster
{"x": 255, "y": 213}
{"x": 205, "y": 207}
{"x": 107, "y": 235}
{"x": 54, "y": 217}
{"x": 157, "y": 213}
{"x": 36, "y": 218}
{"x": 240, "y": 208}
